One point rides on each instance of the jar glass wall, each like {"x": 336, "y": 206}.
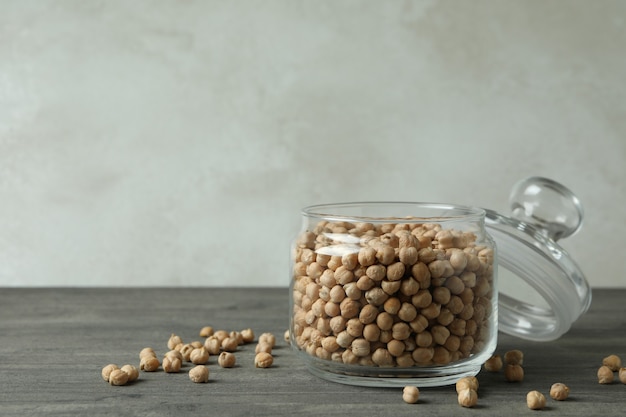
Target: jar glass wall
{"x": 392, "y": 294}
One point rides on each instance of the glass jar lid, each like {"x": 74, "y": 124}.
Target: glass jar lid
{"x": 541, "y": 289}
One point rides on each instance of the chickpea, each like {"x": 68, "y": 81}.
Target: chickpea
{"x": 230, "y": 344}
{"x": 466, "y": 382}
{"x": 171, "y": 364}
{"x": 468, "y": 398}
{"x": 173, "y": 341}
{"x": 493, "y": 364}
{"x": 212, "y": 345}
{"x": 622, "y": 375}
{"x": 613, "y": 362}
{"x": 133, "y": 373}
{"x": 514, "y": 373}
{"x": 263, "y": 360}
{"x": 149, "y": 364}
{"x": 199, "y": 374}
{"x": 247, "y": 335}
{"x": 360, "y": 347}
{"x": 199, "y": 356}
{"x": 605, "y": 375}
{"x": 106, "y": 371}
{"x": 186, "y": 350}
{"x": 268, "y": 338}
{"x": 559, "y": 391}
{"x": 148, "y": 351}
{"x": 118, "y": 377}
{"x": 206, "y": 331}
{"x": 287, "y": 336}
{"x": 226, "y": 360}
{"x": 535, "y": 400}
{"x": 410, "y": 394}
{"x": 514, "y": 357}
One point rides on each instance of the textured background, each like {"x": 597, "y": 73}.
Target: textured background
{"x": 174, "y": 142}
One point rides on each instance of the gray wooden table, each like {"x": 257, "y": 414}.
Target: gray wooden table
{"x": 54, "y": 342}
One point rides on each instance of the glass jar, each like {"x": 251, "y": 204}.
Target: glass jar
{"x": 392, "y": 294}
{"x": 395, "y": 294}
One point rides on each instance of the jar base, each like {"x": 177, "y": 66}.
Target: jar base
{"x": 428, "y": 378}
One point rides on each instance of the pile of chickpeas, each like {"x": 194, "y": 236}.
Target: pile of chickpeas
{"x": 391, "y": 295}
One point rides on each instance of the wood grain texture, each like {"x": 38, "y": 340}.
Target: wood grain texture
{"x": 54, "y": 343}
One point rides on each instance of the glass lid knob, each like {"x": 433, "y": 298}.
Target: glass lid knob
{"x": 547, "y": 205}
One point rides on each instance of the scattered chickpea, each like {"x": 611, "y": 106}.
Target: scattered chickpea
{"x": 613, "y": 362}
{"x": 269, "y": 338}
{"x": 622, "y": 375}
{"x": 263, "y": 347}
{"x": 133, "y": 373}
{"x": 559, "y": 391}
{"x": 247, "y": 335}
{"x": 186, "y": 350}
{"x": 147, "y": 351}
{"x": 149, "y": 364}
{"x": 514, "y": 357}
{"x": 493, "y": 364}
{"x": 470, "y": 382}
{"x": 173, "y": 341}
{"x": 286, "y": 336}
{"x": 199, "y": 356}
{"x": 263, "y": 360}
{"x": 199, "y": 374}
{"x": 605, "y": 375}
{"x": 206, "y": 331}
{"x": 118, "y": 377}
{"x": 535, "y": 400}
{"x": 106, "y": 371}
{"x": 230, "y": 344}
{"x": 410, "y": 394}
{"x": 175, "y": 353}
{"x": 196, "y": 344}
{"x": 514, "y": 373}
{"x": 226, "y": 360}
{"x": 213, "y": 345}
{"x": 172, "y": 364}
{"x": 468, "y": 398}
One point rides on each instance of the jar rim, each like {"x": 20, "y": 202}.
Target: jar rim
{"x": 394, "y": 211}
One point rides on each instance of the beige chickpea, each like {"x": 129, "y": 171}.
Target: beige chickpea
{"x": 410, "y": 394}
{"x": 212, "y": 345}
{"x": 514, "y": 373}
{"x": 470, "y": 382}
{"x": 147, "y": 351}
{"x": 199, "y": 374}
{"x": 559, "y": 391}
{"x": 149, "y": 364}
{"x": 223, "y": 334}
{"x": 287, "y": 336}
{"x": 367, "y": 256}
{"x": 605, "y": 375}
{"x": 173, "y": 341}
{"x": 613, "y": 362}
{"x": 230, "y": 344}
{"x": 206, "y": 331}
{"x": 186, "y": 350}
{"x": 226, "y": 360}
{"x": 106, "y": 371}
{"x": 199, "y": 356}
{"x": 263, "y": 360}
{"x": 118, "y": 377}
{"x": 513, "y": 357}
{"x": 133, "y": 373}
{"x": 493, "y": 364}
{"x": 622, "y": 375}
{"x": 247, "y": 335}
{"x": 382, "y": 357}
{"x": 535, "y": 400}
{"x": 175, "y": 353}
{"x": 171, "y": 364}
{"x": 468, "y": 398}
{"x": 360, "y": 347}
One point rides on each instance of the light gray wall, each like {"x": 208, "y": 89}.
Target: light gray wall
{"x": 174, "y": 142}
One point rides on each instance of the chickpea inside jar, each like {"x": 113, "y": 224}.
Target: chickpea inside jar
{"x": 387, "y": 294}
